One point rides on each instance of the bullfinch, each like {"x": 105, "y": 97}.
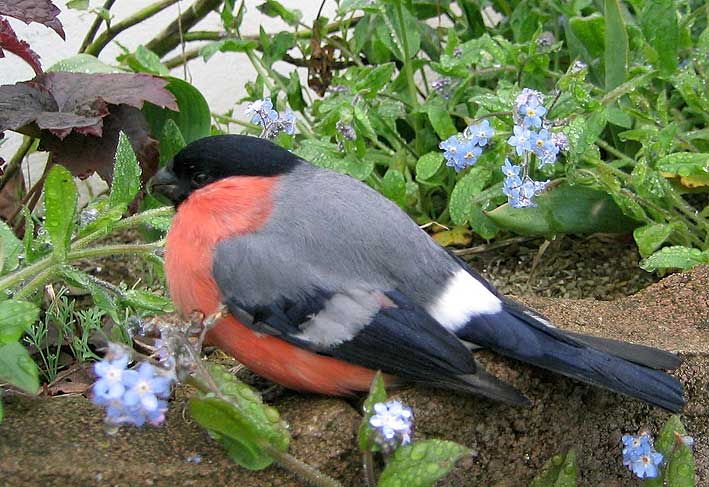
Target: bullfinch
{"x": 327, "y": 281}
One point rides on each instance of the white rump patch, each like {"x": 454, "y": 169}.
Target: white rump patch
{"x": 343, "y": 316}
{"x": 463, "y": 298}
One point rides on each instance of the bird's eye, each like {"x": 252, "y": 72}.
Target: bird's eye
{"x": 201, "y": 178}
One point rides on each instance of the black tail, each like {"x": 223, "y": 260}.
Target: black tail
{"x": 520, "y": 333}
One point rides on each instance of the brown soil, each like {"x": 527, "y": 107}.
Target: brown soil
{"x": 60, "y": 441}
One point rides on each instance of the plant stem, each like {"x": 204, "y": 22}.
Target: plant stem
{"x": 128, "y": 222}
{"x": 14, "y": 164}
{"x": 91, "y": 34}
{"x": 368, "y": 467}
{"x": 625, "y": 88}
{"x": 110, "y": 33}
{"x": 38, "y": 281}
{"x": 302, "y": 469}
{"x": 169, "y": 38}
{"x": 409, "y": 73}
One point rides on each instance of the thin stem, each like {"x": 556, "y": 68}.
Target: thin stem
{"x": 128, "y": 222}
{"x": 91, "y": 34}
{"x": 368, "y": 467}
{"x": 625, "y": 88}
{"x": 612, "y": 150}
{"x": 14, "y": 164}
{"x": 38, "y": 281}
{"x": 409, "y": 73}
{"x": 110, "y": 33}
{"x": 302, "y": 469}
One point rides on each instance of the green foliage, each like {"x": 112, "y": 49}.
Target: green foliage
{"x": 126, "y": 175}
{"x": 559, "y": 471}
{"x": 16, "y": 366}
{"x": 60, "y": 198}
{"x": 237, "y": 418}
{"x": 422, "y": 463}
{"x": 678, "y": 468}
{"x": 377, "y": 393}
{"x": 404, "y": 83}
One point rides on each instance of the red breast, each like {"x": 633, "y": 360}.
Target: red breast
{"x": 227, "y": 208}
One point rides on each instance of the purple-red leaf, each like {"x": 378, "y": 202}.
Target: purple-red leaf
{"x": 40, "y": 11}
{"x": 10, "y": 42}
{"x": 65, "y": 102}
{"x": 84, "y": 154}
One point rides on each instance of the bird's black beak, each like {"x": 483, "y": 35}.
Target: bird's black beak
{"x": 165, "y": 183}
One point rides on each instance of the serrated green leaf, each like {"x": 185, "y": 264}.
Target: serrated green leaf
{"x": 377, "y": 394}
{"x": 616, "y": 45}
{"x": 685, "y": 164}
{"x": 428, "y": 165}
{"x": 126, "y": 175}
{"x": 421, "y": 464}
{"x": 18, "y": 368}
{"x": 469, "y": 186}
{"x": 650, "y": 237}
{"x": 559, "y": 471}
{"x": 60, "y": 199}
{"x": 239, "y": 420}
{"x": 11, "y": 247}
{"x": 675, "y": 257}
{"x": 15, "y": 319}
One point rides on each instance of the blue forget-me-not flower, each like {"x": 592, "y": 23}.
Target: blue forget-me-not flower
{"x": 131, "y": 396}
{"x": 262, "y": 113}
{"x": 640, "y": 456}
{"x": 393, "y": 423}
{"x": 463, "y": 150}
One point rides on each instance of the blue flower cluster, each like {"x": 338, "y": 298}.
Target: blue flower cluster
{"x": 393, "y": 422}
{"x": 131, "y": 396}
{"x": 529, "y": 113}
{"x": 640, "y": 456}
{"x": 262, "y": 113}
{"x": 463, "y": 150}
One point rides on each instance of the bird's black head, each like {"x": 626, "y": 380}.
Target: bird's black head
{"x": 210, "y": 159}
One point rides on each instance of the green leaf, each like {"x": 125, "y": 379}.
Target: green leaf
{"x": 559, "y": 471}
{"x": 428, "y": 165}
{"x": 10, "y": 249}
{"x": 171, "y": 141}
{"x": 273, "y": 8}
{"x": 83, "y": 63}
{"x": 226, "y": 45}
{"x": 394, "y": 186}
{"x": 60, "y": 199}
{"x": 650, "y": 237}
{"x": 239, "y": 421}
{"x": 146, "y": 61}
{"x": 148, "y": 301}
{"x": 590, "y": 31}
{"x": 565, "y": 209}
{"x": 126, "y": 175}
{"x": 675, "y": 257}
{"x": 678, "y": 465}
{"x": 421, "y": 464}
{"x": 18, "y": 368}
{"x": 15, "y": 318}
{"x": 78, "y": 4}
{"x": 469, "y": 186}
{"x": 194, "y": 118}
{"x": 375, "y": 79}
{"x": 103, "y": 298}
{"x": 377, "y": 394}
{"x": 658, "y": 20}
{"x": 401, "y": 32}
{"x": 685, "y": 164}
{"x": 616, "y": 45}
{"x": 441, "y": 120}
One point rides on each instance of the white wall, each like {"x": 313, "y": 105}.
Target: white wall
{"x": 221, "y": 80}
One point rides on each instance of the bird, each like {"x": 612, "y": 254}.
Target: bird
{"x": 326, "y": 281}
